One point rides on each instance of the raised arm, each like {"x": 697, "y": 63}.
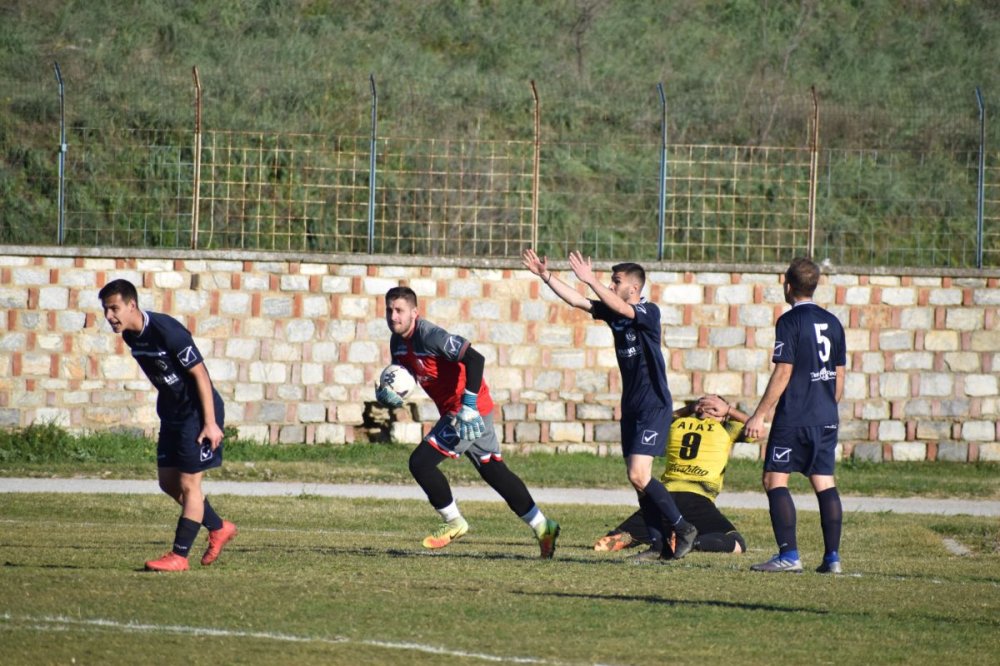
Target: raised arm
{"x": 539, "y": 266}
{"x": 717, "y": 406}
{"x": 585, "y": 273}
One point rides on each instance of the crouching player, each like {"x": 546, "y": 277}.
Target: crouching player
{"x": 191, "y": 418}
{"x": 701, "y": 437}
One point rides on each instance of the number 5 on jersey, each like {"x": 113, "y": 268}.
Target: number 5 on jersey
{"x": 823, "y": 342}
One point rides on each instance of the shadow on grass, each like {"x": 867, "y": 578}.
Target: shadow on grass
{"x": 455, "y": 552}
{"x": 18, "y": 565}
{"x": 663, "y": 601}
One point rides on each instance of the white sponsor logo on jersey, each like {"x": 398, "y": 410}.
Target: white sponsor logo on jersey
{"x": 779, "y": 346}
{"x": 166, "y": 380}
{"x": 823, "y": 375}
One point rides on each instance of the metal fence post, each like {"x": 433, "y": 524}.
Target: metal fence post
{"x": 371, "y": 168}
{"x": 196, "y": 195}
{"x": 62, "y": 154}
{"x": 813, "y": 173}
{"x": 980, "y": 197}
{"x": 536, "y": 166}
{"x": 663, "y": 170}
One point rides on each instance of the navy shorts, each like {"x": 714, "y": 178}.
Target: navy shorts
{"x": 646, "y": 434}
{"x": 178, "y": 447}
{"x": 809, "y": 450}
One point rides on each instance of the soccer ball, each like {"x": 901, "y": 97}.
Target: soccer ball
{"x": 399, "y": 379}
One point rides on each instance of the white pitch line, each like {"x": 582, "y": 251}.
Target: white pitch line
{"x": 60, "y": 623}
{"x": 955, "y": 547}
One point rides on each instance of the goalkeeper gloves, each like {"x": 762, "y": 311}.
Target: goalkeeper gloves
{"x": 468, "y": 421}
{"x": 387, "y": 397}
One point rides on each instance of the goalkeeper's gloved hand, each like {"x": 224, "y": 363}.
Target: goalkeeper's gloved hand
{"x": 387, "y": 397}
{"x": 468, "y": 421}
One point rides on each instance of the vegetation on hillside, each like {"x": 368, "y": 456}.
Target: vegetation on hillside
{"x": 891, "y": 76}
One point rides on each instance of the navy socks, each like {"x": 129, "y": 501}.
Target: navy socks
{"x": 783, "y": 521}
{"x": 653, "y": 521}
{"x": 187, "y": 530}
{"x": 211, "y": 520}
{"x": 657, "y": 505}
{"x": 831, "y": 515}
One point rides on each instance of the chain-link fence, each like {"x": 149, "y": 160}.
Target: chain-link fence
{"x": 911, "y": 201}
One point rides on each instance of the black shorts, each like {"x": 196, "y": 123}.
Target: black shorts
{"x": 696, "y": 509}
{"x": 177, "y": 445}
{"x": 806, "y": 449}
{"x": 646, "y": 434}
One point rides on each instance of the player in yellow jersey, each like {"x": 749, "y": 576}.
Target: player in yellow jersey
{"x": 701, "y": 438}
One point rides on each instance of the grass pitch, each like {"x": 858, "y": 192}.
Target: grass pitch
{"x": 332, "y": 581}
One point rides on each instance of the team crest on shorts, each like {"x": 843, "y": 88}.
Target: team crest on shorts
{"x": 781, "y": 455}
{"x": 649, "y": 437}
{"x": 206, "y": 452}
{"x": 448, "y": 435}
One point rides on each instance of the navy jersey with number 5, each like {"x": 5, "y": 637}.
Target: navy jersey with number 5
{"x": 166, "y": 352}
{"x": 640, "y": 359}
{"x": 812, "y": 340}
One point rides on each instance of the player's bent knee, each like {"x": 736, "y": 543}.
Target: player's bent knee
{"x": 423, "y": 459}
{"x": 717, "y": 542}
{"x": 639, "y": 481}
{"x": 495, "y": 470}
{"x": 822, "y": 482}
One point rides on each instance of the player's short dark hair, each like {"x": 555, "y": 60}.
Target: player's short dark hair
{"x": 119, "y": 287}
{"x": 802, "y": 277}
{"x": 397, "y": 293}
{"x": 632, "y": 270}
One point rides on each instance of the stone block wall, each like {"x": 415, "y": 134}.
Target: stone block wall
{"x": 294, "y": 344}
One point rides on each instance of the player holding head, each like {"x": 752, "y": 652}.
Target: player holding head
{"x": 451, "y": 373}
{"x": 701, "y": 436}
{"x": 191, "y": 418}
{"x": 646, "y": 401}
{"x": 810, "y": 356}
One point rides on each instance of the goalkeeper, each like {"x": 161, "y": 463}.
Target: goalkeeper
{"x": 701, "y": 437}
{"x": 451, "y": 373}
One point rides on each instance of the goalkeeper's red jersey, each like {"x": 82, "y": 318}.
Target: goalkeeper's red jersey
{"x": 433, "y": 356}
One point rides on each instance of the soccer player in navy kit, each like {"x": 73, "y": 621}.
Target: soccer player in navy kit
{"x": 646, "y": 402}
{"x": 810, "y": 356}
{"x": 191, "y": 418}
{"x": 451, "y": 372}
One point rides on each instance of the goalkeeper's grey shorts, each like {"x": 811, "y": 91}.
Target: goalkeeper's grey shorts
{"x": 444, "y": 437}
